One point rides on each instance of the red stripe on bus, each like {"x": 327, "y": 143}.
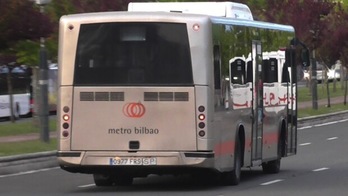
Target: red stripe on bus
{"x": 224, "y": 148}
{"x": 271, "y": 138}
{"x": 227, "y": 147}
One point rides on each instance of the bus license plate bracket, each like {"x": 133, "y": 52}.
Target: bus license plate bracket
{"x": 133, "y": 161}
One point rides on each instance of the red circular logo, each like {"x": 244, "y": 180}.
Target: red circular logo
{"x": 134, "y": 110}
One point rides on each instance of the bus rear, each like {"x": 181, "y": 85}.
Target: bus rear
{"x": 127, "y": 94}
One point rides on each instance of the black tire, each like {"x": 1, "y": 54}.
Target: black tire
{"x": 271, "y": 167}
{"x": 207, "y": 178}
{"x": 233, "y": 177}
{"x": 102, "y": 180}
{"x": 123, "y": 180}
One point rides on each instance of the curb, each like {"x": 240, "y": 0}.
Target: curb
{"x": 27, "y": 162}
{"x": 36, "y": 161}
{"x": 320, "y": 119}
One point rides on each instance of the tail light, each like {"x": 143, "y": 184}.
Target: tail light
{"x": 66, "y": 122}
{"x": 201, "y": 121}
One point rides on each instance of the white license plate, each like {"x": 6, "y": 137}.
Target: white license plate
{"x": 133, "y": 161}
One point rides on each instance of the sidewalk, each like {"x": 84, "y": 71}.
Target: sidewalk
{"x": 24, "y": 137}
{"x": 36, "y": 136}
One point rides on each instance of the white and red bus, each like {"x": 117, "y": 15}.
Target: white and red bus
{"x": 163, "y": 93}
{"x": 20, "y": 79}
{"x": 22, "y": 88}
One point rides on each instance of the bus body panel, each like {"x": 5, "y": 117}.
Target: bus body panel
{"x": 151, "y": 118}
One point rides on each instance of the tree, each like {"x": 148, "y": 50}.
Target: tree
{"x": 309, "y": 18}
{"x": 21, "y": 20}
{"x": 335, "y": 45}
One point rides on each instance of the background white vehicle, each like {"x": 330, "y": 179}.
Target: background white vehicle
{"x": 324, "y": 73}
{"x": 22, "y": 87}
{"x": 335, "y": 71}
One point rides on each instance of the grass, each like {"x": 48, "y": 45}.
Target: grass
{"x": 304, "y": 93}
{"x": 15, "y": 148}
{"x": 23, "y": 127}
{"x": 321, "y": 110}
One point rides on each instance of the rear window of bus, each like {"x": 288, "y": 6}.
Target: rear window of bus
{"x": 133, "y": 54}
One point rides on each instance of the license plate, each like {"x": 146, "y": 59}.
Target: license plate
{"x": 133, "y": 161}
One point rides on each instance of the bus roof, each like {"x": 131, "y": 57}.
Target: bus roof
{"x": 256, "y": 24}
{"x": 222, "y": 9}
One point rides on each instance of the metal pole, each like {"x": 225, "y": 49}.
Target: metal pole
{"x": 43, "y": 84}
{"x": 314, "y": 83}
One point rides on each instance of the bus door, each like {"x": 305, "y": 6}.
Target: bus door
{"x": 257, "y": 109}
{"x": 292, "y": 104}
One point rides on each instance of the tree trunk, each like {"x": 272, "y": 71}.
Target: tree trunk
{"x": 345, "y": 87}
{"x": 10, "y": 93}
{"x": 328, "y": 93}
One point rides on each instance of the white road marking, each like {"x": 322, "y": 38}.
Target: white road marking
{"x": 28, "y": 172}
{"x": 320, "y": 169}
{"x": 86, "y": 185}
{"x": 306, "y": 127}
{"x": 305, "y": 144}
{"x": 328, "y": 123}
{"x": 332, "y": 138}
{"x": 319, "y": 125}
{"x": 271, "y": 182}
{"x": 343, "y": 120}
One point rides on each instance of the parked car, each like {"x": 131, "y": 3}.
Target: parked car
{"x": 332, "y": 73}
{"x": 335, "y": 71}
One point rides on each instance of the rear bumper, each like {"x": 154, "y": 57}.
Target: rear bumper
{"x": 99, "y": 162}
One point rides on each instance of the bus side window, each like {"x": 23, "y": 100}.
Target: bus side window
{"x": 217, "y": 67}
{"x": 270, "y": 70}
{"x": 249, "y": 72}
{"x": 237, "y": 70}
{"x": 290, "y": 59}
{"x": 285, "y": 74}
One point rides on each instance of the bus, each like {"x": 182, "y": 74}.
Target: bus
{"x": 20, "y": 78}
{"x": 22, "y": 87}
{"x": 152, "y": 92}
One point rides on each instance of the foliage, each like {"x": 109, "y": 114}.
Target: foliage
{"x": 101, "y": 5}
{"x": 21, "y": 20}
{"x": 27, "y": 52}
{"x": 337, "y": 33}
{"x": 319, "y": 24}
{"x": 307, "y": 16}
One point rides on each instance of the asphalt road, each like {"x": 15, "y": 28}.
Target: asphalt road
{"x": 319, "y": 168}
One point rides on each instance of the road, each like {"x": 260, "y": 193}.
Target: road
{"x": 320, "y": 168}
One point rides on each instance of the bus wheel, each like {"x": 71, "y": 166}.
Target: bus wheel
{"x": 271, "y": 167}
{"x": 233, "y": 177}
{"x": 102, "y": 180}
